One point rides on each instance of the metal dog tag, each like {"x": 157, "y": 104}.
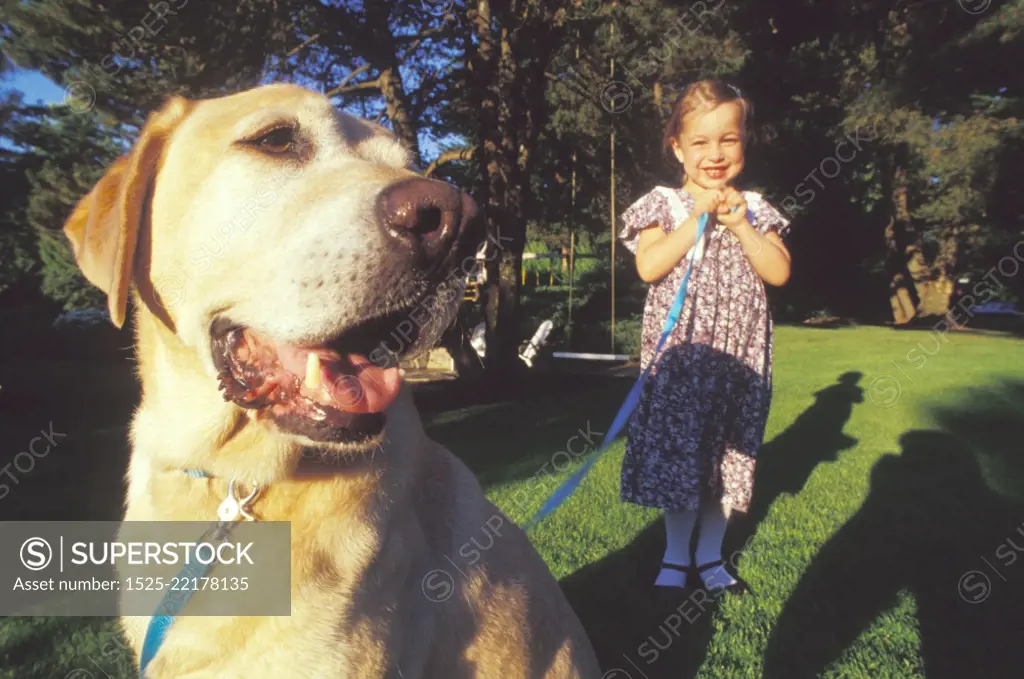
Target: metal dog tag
{"x": 229, "y": 509}
{"x": 232, "y": 507}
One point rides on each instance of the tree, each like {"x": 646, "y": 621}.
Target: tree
{"x": 18, "y": 264}
{"x": 124, "y": 58}
{"x": 54, "y": 156}
{"x": 362, "y": 55}
{"x": 901, "y": 81}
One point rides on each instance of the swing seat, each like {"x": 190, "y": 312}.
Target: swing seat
{"x": 539, "y": 339}
{"x": 478, "y": 339}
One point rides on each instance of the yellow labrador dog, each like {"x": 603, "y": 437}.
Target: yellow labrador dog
{"x": 273, "y": 245}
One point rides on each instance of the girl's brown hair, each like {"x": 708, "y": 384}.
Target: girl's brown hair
{"x": 703, "y": 95}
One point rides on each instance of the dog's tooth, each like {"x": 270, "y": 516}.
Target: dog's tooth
{"x": 313, "y": 371}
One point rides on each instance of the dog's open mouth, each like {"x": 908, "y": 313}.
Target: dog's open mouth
{"x": 332, "y": 392}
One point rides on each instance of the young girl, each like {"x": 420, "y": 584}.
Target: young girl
{"x": 694, "y": 437}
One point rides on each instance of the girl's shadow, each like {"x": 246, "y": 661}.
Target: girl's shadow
{"x": 785, "y": 463}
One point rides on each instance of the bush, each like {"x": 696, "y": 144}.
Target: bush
{"x": 628, "y": 334}
{"x": 595, "y": 337}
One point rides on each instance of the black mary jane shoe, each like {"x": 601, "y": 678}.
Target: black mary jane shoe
{"x": 739, "y": 587}
{"x": 687, "y": 571}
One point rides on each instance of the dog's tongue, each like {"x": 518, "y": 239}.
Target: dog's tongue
{"x": 368, "y": 388}
{"x": 347, "y": 382}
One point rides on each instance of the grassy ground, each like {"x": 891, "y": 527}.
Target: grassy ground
{"x": 882, "y": 541}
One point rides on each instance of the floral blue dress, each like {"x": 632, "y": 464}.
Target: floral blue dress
{"x": 700, "y": 421}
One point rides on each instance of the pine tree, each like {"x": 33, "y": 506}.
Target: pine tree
{"x": 56, "y": 155}
{"x": 901, "y": 83}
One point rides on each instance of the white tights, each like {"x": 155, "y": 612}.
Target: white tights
{"x": 678, "y": 533}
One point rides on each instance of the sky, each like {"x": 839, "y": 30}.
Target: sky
{"x": 36, "y": 86}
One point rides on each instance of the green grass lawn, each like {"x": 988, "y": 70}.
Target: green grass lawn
{"x": 881, "y": 542}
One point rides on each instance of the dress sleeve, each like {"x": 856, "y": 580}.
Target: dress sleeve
{"x": 650, "y": 208}
{"x": 768, "y": 218}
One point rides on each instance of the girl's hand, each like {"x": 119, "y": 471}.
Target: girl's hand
{"x": 732, "y": 210}
{"x": 709, "y": 201}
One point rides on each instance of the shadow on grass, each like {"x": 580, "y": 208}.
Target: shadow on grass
{"x": 635, "y": 628}
{"x": 509, "y": 440}
{"x": 785, "y": 463}
{"x": 933, "y": 527}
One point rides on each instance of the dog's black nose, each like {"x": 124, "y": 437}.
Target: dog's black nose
{"x": 428, "y": 215}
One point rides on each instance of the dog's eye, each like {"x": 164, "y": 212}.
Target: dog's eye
{"x": 279, "y": 140}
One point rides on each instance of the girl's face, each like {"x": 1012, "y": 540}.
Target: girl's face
{"x": 710, "y": 147}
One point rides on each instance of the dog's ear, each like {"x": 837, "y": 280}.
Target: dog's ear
{"x": 104, "y": 227}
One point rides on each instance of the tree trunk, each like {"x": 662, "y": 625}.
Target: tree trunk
{"x": 900, "y": 246}
{"x": 383, "y": 52}
{"x": 900, "y": 281}
{"x": 935, "y": 282}
{"x": 492, "y": 68}
{"x": 917, "y": 288}
{"x": 397, "y": 106}
{"x": 502, "y": 315}
{"x": 508, "y": 188}
{"x": 456, "y": 341}
{"x": 508, "y": 86}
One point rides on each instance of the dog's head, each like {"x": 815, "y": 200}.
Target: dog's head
{"x": 288, "y": 246}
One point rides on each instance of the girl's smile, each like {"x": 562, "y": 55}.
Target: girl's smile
{"x": 716, "y": 173}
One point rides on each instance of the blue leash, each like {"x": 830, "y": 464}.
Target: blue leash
{"x": 170, "y": 606}
{"x": 173, "y": 602}
{"x": 570, "y": 485}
